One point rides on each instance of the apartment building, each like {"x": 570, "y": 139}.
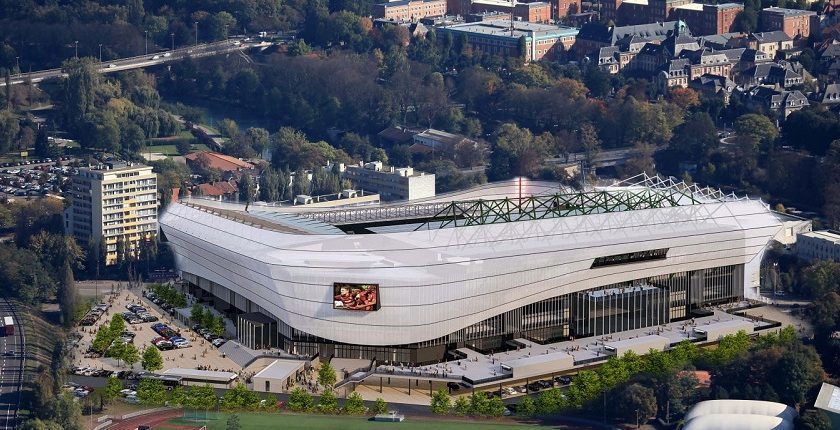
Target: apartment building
{"x": 706, "y": 19}
{"x": 409, "y": 10}
{"x": 794, "y": 22}
{"x": 819, "y": 245}
{"x": 115, "y": 204}
{"x": 392, "y": 183}
{"x": 498, "y": 38}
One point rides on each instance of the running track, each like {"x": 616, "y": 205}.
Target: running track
{"x": 151, "y": 420}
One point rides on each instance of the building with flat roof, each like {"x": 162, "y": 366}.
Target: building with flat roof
{"x": 409, "y": 10}
{"x": 794, "y": 22}
{"x": 706, "y": 19}
{"x": 392, "y": 183}
{"x": 113, "y": 206}
{"x": 819, "y": 245}
{"x": 409, "y": 281}
{"x": 498, "y": 38}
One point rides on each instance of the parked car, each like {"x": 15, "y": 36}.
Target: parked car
{"x": 545, "y": 384}
{"x": 563, "y": 380}
{"x": 219, "y": 342}
{"x": 453, "y": 386}
{"x": 534, "y": 386}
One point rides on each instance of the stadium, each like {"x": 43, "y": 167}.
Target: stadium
{"x": 409, "y": 282}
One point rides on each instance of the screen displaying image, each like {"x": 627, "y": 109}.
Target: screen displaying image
{"x": 356, "y": 297}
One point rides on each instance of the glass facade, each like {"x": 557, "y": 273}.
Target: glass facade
{"x": 640, "y": 303}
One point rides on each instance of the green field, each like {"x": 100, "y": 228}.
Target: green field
{"x": 258, "y": 421}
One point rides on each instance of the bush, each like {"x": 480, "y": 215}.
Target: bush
{"x": 328, "y": 403}
{"x": 300, "y": 401}
{"x": 355, "y": 404}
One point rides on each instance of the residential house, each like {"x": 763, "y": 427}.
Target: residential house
{"x": 714, "y": 86}
{"x": 782, "y": 102}
{"x": 214, "y": 160}
{"x": 769, "y": 42}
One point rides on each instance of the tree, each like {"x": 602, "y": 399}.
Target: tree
{"x": 440, "y": 404}
{"x": 233, "y": 423}
{"x": 758, "y": 127}
{"x": 326, "y": 375}
{"x": 130, "y": 354}
{"x": 479, "y": 404}
{"x": 796, "y": 373}
{"x": 495, "y": 407}
{"x": 355, "y": 404}
{"x": 217, "y": 325}
{"x": 813, "y": 419}
{"x": 328, "y": 403}
{"x": 197, "y": 313}
{"x": 9, "y": 128}
{"x": 271, "y": 402}
{"x": 246, "y": 189}
{"x": 526, "y": 407}
{"x": 152, "y": 360}
{"x": 228, "y": 128}
{"x": 177, "y": 397}
{"x": 38, "y": 424}
{"x": 201, "y": 397}
{"x": 112, "y": 389}
{"x": 42, "y": 144}
{"x": 151, "y": 392}
{"x": 696, "y": 137}
{"x": 68, "y": 296}
{"x": 380, "y": 406}
{"x": 65, "y": 411}
{"x": 300, "y": 401}
{"x": 746, "y": 21}
{"x": 461, "y": 406}
{"x": 117, "y": 324}
{"x": 636, "y": 402}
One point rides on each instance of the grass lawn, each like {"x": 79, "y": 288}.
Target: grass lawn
{"x": 259, "y": 421}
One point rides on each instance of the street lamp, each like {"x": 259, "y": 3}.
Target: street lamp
{"x": 100, "y": 52}
{"x": 77, "y": 48}
{"x": 226, "y": 33}
{"x": 172, "y": 36}
{"x": 196, "y": 32}
{"x": 17, "y": 64}
{"x": 146, "y": 42}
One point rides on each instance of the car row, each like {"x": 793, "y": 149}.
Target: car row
{"x": 77, "y": 389}
{"x": 209, "y": 336}
{"x": 93, "y": 315}
{"x": 89, "y": 371}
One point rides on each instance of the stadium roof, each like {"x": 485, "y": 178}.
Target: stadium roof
{"x": 510, "y": 201}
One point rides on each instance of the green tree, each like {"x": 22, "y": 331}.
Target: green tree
{"x": 177, "y": 397}
{"x": 479, "y": 404}
{"x": 326, "y": 375}
{"x": 380, "y": 406}
{"x": 117, "y": 324}
{"x": 246, "y": 189}
{"x": 587, "y": 387}
{"x": 217, "y": 326}
{"x": 440, "y": 403}
{"x": 758, "y": 127}
{"x": 152, "y": 360}
{"x": 197, "y": 314}
{"x": 461, "y": 406}
{"x": 813, "y": 419}
{"x": 130, "y": 354}
{"x": 300, "y": 401}
{"x": 328, "y": 403}
{"x": 495, "y": 407}
{"x": 201, "y": 397}
{"x": 796, "y": 373}
{"x": 526, "y": 407}
{"x": 634, "y": 401}
{"x": 65, "y": 411}
{"x": 271, "y": 402}
{"x": 9, "y": 128}
{"x": 68, "y": 296}
{"x": 117, "y": 350}
{"x": 112, "y": 389}
{"x": 696, "y": 137}
{"x": 228, "y": 128}
{"x": 233, "y": 423}
{"x": 355, "y": 404}
{"x": 549, "y": 401}
{"x": 151, "y": 392}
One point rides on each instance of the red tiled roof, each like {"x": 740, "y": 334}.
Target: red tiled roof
{"x": 222, "y": 162}
{"x": 216, "y": 189}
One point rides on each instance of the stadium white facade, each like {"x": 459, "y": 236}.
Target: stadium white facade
{"x": 412, "y": 281}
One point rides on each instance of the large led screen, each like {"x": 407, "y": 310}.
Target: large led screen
{"x": 355, "y": 297}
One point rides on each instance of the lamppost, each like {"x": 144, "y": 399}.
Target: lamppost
{"x": 77, "y": 48}
{"x": 172, "y": 36}
{"x": 17, "y": 64}
{"x": 100, "y": 52}
{"x": 146, "y": 42}
{"x": 196, "y": 32}
{"x": 226, "y": 33}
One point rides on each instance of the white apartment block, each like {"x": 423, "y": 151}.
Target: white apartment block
{"x": 110, "y": 203}
{"x": 819, "y": 245}
{"x": 392, "y": 183}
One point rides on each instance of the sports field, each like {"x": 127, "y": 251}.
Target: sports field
{"x": 258, "y": 421}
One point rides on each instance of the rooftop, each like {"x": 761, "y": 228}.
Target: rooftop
{"x": 280, "y": 369}
{"x": 204, "y": 375}
{"x": 222, "y": 162}
{"x": 114, "y": 166}
{"x": 829, "y": 235}
{"x": 788, "y": 12}
{"x": 520, "y": 28}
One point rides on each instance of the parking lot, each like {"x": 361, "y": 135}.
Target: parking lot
{"x": 34, "y": 178}
{"x": 195, "y": 351}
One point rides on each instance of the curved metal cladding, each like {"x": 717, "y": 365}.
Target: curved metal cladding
{"x": 435, "y": 282}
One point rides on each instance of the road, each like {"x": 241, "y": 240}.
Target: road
{"x": 11, "y": 370}
{"x": 153, "y": 59}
